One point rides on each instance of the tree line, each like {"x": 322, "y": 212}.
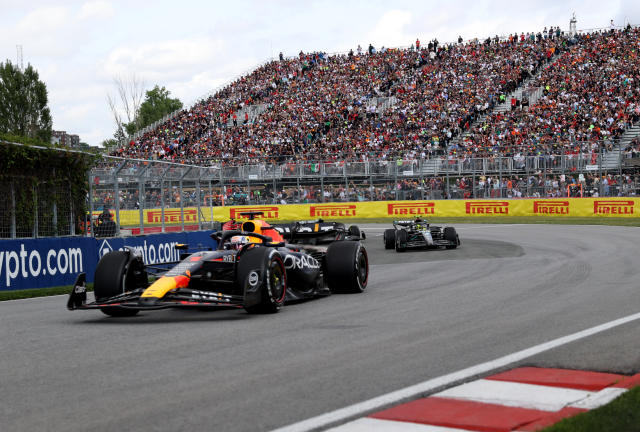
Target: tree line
{"x": 24, "y": 110}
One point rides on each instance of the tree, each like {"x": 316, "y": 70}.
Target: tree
{"x": 109, "y": 144}
{"x": 126, "y": 106}
{"x": 23, "y": 103}
{"x": 156, "y": 105}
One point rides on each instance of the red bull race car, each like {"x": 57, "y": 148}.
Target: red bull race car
{"x": 251, "y": 268}
{"x": 306, "y": 232}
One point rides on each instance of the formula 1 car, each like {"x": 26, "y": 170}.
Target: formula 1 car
{"x": 307, "y": 232}
{"x": 318, "y": 232}
{"x": 252, "y": 268}
{"x": 419, "y": 234}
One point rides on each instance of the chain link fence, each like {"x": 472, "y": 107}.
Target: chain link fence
{"x": 36, "y": 208}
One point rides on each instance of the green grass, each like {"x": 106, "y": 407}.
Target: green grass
{"x": 621, "y": 415}
{"x": 37, "y": 292}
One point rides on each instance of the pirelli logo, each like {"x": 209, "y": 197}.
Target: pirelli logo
{"x": 270, "y": 212}
{"x": 426, "y": 208}
{"x": 551, "y": 207}
{"x": 611, "y": 207}
{"x": 333, "y": 210}
{"x": 488, "y": 207}
{"x": 155, "y": 216}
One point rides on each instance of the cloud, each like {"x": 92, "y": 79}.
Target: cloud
{"x": 163, "y": 61}
{"x": 390, "y": 29}
{"x": 41, "y": 32}
{"x": 96, "y": 10}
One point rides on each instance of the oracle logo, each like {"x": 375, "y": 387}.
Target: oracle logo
{"x": 488, "y": 207}
{"x": 155, "y": 216}
{"x": 613, "y": 207}
{"x": 551, "y": 207}
{"x": 333, "y": 210}
{"x": 427, "y": 208}
{"x": 270, "y": 212}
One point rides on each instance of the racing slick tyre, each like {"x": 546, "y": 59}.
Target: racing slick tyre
{"x": 389, "y": 238}
{"x": 354, "y": 231}
{"x": 272, "y": 286}
{"x": 109, "y": 281}
{"x": 347, "y": 267}
{"x": 401, "y": 241}
{"x": 451, "y": 235}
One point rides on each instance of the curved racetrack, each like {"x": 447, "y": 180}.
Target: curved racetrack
{"x": 425, "y": 314}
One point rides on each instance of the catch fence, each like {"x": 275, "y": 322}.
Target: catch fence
{"x": 164, "y": 196}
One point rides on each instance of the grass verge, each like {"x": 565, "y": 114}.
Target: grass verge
{"x": 38, "y": 292}
{"x": 621, "y": 415}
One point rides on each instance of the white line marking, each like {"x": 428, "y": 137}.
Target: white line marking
{"x": 376, "y": 425}
{"x": 516, "y": 394}
{"x": 340, "y": 415}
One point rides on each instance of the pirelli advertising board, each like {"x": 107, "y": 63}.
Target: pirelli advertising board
{"x": 560, "y": 207}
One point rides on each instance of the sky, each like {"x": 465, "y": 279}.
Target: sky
{"x": 193, "y": 47}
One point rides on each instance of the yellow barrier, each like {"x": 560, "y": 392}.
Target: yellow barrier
{"x": 560, "y": 207}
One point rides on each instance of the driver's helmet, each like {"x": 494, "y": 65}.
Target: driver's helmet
{"x": 421, "y": 224}
{"x": 236, "y": 242}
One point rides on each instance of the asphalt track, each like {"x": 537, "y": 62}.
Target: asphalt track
{"x": 425, "y": 314}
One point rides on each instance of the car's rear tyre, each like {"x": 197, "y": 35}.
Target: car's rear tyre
{"x": 272, "y": 278}
{"x": 401, "y": 241}
{"x": 347, "y": 267}
{"x": 354, "y": 231}
{"x": 451, "y": 235}
{"x": 389, "y": 238}
{"x": 110, "y": 279}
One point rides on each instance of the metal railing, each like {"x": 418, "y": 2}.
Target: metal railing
{"x": 143, "y": 196}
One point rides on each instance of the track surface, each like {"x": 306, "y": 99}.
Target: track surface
{"x": 425, "y": 314}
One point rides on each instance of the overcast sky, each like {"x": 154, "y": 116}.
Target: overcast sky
{"x": 192, "y": 47}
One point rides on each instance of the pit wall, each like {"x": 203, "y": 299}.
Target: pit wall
{"x": 561, "y": 207}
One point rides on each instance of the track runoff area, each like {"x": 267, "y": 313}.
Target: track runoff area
{"x": 524, "y": 399}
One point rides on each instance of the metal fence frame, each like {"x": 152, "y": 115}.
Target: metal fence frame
{"x": 131, "y": 184}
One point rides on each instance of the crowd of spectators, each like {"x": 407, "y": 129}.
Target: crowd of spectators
{"x": 591, "y": 96}
{"x": 327, "y": 107}
{"x": 416, "y": 103}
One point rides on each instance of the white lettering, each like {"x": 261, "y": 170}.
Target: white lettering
{"x": 52, "y": 270}
{"x": 301, "y": 262}
{"x": 23, "y": 255}
{"x": 12, "y": 274}
{"x": 75, "y": 260}
{"x": 63, "y": 269}
{"x": 34, "y": 272}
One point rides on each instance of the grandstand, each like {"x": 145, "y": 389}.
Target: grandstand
{"x": 408, "y": 104}
{"x": 527, "y": 114}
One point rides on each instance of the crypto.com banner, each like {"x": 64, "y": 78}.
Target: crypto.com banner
{"x": 50, "y": 262}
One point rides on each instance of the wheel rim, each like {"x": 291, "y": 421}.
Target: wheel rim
{"x": 277, "y": 281}
{"x": 363, "y": 268}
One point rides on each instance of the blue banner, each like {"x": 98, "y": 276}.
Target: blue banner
{"x": 50, "y": 262}
{"x": 47, "y": 262}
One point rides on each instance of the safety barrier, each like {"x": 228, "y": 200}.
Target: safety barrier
{"x": 56, "y": 261}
